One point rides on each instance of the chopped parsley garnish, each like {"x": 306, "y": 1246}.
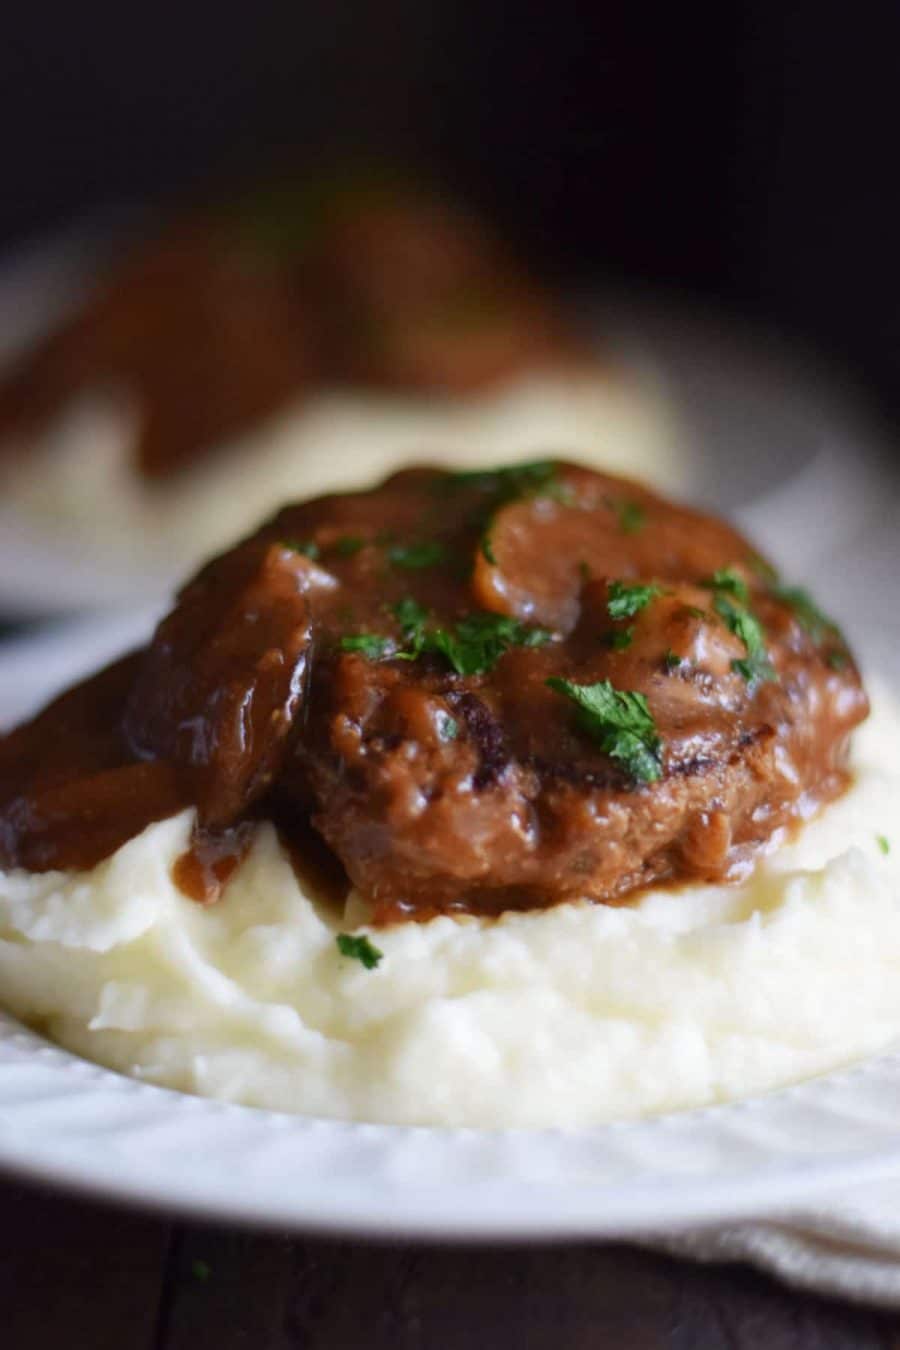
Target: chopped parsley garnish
{"x": 731, "y": 582}
{"x": 308, "y": 547}
{"x": 410, "y": 615}
{"x": 472, "y": 647}
{"x": 348, "y": 544}
{"x": 626, "y": 600}
{"x": 448, "y": 727}
{"x": 729, "y": 601}
{"x": 621, "y": 721}
{"x": 201, "y": 1270}
{"x": 752, "y": 669}
{"x": 412, "y": 618}
{"x": 584, "y": 570}
{"x": 478, "y": 641}
{"x": 504, "y": 485}
{"x": 373, "y": 646}
{"x": 883, "y": 843}
{"x": 809, "y": 616}
{"x": 359, "y": 949}
{"x": 414, "y": 557}
{"x": 745, "y": 626}
{"x": 500, "y": 486}
{"x": 837, "y": 660}
{"x": 631, "y": 516}
{"x": 671, "y": 660}
{"x": 621, "y": 640}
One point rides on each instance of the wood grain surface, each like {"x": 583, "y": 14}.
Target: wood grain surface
{"x": 82, "y": 1276}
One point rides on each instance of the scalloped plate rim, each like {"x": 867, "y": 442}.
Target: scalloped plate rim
{"x": 659, "y": 1195}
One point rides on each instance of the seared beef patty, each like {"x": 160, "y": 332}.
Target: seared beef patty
{"x": 482, "y": 690}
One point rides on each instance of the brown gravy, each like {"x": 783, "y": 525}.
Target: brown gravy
{"x": 396, "y": 674}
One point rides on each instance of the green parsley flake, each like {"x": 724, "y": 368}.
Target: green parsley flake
{"x": 500, "y": 486}
{"x": 883, "y": 843}
{"x": 472, "y": 647}
{"x": 730, "y": 581}
{"x": 478, "y": 641}
{"x": 308, "y": 547}
{"x": 619, "y": 642}
{"x": 348, "y": 544}
{"x": 837, "y": 660}
{"x": 626, "y": 600}
{"x": 414, "y": 557}
{"x": 808, "y": 614}
{"x": 448, "y": 727}
{"x": 410, "y": 615}
{"x": 412, "y": 618}
{"x": 504, "y": 485}
{"x": 621, "y": 721}
{"x": 751, "y": 670}
{"x": 359, "y": 949}
{"x": 671, "y": 660}
{"x": 201, "y": 1270}
{"x": 745, "y": 626}
{"x": 373, "y": 646}
{"x": 631, "y": 516}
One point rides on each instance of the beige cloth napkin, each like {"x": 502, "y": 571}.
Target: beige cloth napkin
{"x": 847, "y": 1246}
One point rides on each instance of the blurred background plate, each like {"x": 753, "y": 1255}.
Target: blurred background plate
{"x": 748, "y": 426}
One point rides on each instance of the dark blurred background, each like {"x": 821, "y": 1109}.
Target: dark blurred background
{"x": 742, "y": 158}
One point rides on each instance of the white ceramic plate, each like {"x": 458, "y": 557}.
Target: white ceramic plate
{"x": 69, "y": 1122}
{"x": 77, "y": 1125}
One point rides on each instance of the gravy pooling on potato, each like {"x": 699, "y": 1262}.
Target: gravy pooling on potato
{"x": 482, "y": 691}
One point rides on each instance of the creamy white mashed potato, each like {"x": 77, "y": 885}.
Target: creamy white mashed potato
{"x": 573, "y": 1016}
{"x": 335, "y": 441}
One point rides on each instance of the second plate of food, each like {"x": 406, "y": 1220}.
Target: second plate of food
{"x": 474, "y": 820}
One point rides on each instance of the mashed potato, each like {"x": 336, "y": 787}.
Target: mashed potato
{"x": 335, "y": 441}
{"x": 569, "y": 1017}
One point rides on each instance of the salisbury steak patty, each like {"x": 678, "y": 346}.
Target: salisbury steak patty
{"x": 484, "y": 691}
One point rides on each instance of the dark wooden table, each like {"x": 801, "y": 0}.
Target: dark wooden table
{"x": 85, "y": 1277}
